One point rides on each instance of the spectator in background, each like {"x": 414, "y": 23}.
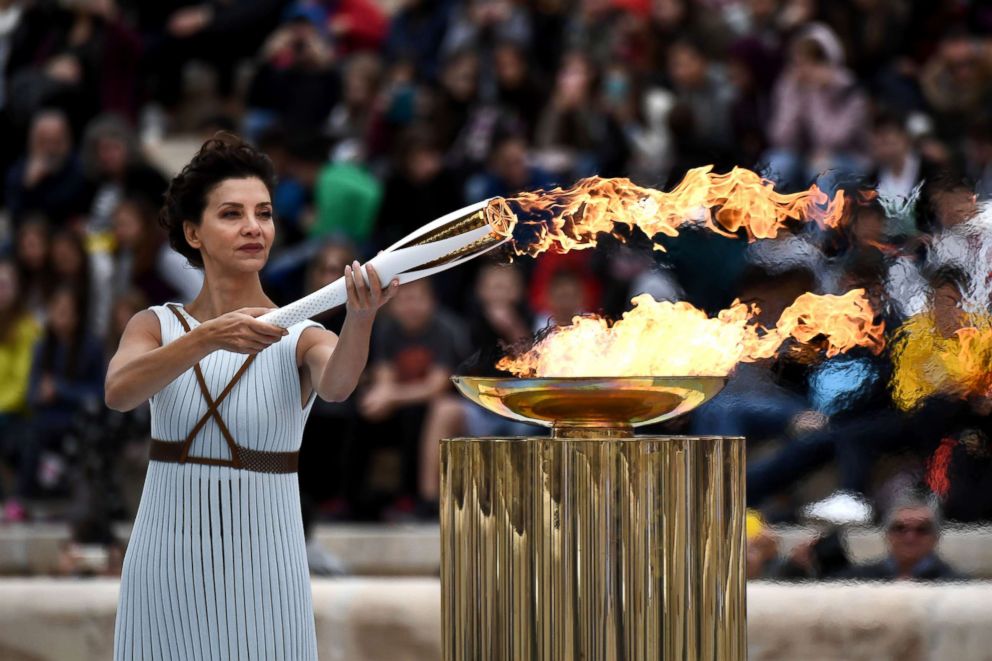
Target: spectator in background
{"x": 10, "y": 16}
{"x": 78, "y": 56}
{"x": 703, "y": 100}
{"x": 978, "y": 157}
{"x": 70, "y": 265}
{"x": 126, "y": 305}
{"x": 31, "y": 255}
{"x": 354, "y": 120}
{"x": 819, "y": 115}
{"x": 591, "y": 28}
{"x": 306, "y": 155}
{"x": 873, "y": 32}
{"x": 912, "y": 530}
{"x": 144, "y": 261}
{"x": 499, "y": 315}
{"x": 355, "y": 25}
{"x": 18, "y": 333}
{"x": 572, "y": 135}
{"x": 519, "y": 94}
{"x": 174, "y": 32}
{"x": 900, "y": 171}
{"x": 498, "y": 320}
{"x": 419, "y": 189}
{"x": 329, "y": 438}
{"x": 510, "y": 170}
{"x": 480, "y": 25}
{"x": 416, "y": 33}
{"x": 296, "y": 83}
{"x": 115, "y": 168}
{"x": 763, "y": 399}
{"x": 48, "y": 179}
{"x": 671, "y": 20}
{"x": 454, "y": 108}
{"x": 346, "y": 203}
{"x": 962, "y": 238}
{"x": 873, "y": 237}
{"x": 762, "y": 548}
{"x": 751, "y": 70}
{"x": 290, "y": 198}
{"x": 67, "y": 372}
{"x": 566, "y": 298}
{"x": 957, "y": 83}
{"x": 416, "y": 348}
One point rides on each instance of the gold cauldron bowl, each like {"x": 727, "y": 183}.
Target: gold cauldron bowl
{"x": 590, "y": 406}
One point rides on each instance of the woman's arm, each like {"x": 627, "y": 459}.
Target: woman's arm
{"x": 336, "y": 363}
{"x": 142, "y": 366}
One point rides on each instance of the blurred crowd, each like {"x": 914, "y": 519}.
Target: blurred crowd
{"x": 380, "y": 117}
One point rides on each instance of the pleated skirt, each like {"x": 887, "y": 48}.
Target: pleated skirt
{"x": 216, "y": 568}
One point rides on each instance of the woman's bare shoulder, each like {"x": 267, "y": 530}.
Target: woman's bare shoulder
{"x": 144, "y": 324}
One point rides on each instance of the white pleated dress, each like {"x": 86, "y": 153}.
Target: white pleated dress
{"x": 216, "y": 564}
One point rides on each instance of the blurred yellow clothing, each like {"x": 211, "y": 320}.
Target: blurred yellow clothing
{"x": 15, "y": 364}
{"x": 754, "y": 524}
{"x": 927, "y": 363}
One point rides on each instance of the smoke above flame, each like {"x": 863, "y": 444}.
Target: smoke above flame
{"x": 740, "y": 200}
{"x": 659, "y": 338}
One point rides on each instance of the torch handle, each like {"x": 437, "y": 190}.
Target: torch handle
{"x": 329, "y": 296}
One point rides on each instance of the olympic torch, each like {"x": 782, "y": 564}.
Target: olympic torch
{"x": 442, "y": 244}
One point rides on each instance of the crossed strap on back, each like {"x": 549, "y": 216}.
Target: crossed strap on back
{"x": 236, "y": 450}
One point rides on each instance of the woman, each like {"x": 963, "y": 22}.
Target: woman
{"x": 216, "y": 564}
{"x": 66, "y": 378}
{"x": 142, "y": 258}
{"x": 31, "y": 256}
{"x": 115, "y": 168}
{"x": 18, "y": 333}
{"x": 70, "y": 264}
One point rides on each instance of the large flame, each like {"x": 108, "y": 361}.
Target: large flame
{"x": 928, "y": 364}
{"x": 676, "y": 339}
{"x": 571, "y": 219}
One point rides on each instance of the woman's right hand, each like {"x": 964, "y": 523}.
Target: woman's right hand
{"x": 241, "y": 332}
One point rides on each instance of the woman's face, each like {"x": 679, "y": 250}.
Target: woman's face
{"x": 111, "y": 154}
{"x": 62, "y": 313}
{"x": 66, "y": 257}
{"x": 8, "y": 285}
{"x": 330, "y": 266}
{"x": 128, "y": 226}
{"x": 237, "y": 229}
{"x": 32, "y": 248}
{"x": 500, "y": 286}
{"x": 947, "y": 311}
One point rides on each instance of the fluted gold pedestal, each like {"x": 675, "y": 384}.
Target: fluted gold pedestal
{"x": 593, "y": 548}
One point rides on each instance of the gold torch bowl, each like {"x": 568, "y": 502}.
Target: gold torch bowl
{"x": 598, "y": 406}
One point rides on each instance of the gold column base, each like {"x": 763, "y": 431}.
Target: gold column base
{"x": 593, "y": 548}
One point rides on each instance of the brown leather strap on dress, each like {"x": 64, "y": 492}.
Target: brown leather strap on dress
{"x": 252, "y": 460}
{"x": 237, "y": 452}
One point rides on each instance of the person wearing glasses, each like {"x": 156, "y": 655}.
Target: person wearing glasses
{"x": 912, "y": 530}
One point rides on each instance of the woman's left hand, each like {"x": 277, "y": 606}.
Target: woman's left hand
{"x": 364, "y": 300}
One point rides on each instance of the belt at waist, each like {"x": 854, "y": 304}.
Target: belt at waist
{"x": 246, "y": 459}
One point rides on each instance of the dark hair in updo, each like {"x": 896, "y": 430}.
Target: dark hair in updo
{"x": 225, "y": 156}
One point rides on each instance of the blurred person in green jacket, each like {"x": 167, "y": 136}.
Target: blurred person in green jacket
{"x": 347, "y": 201}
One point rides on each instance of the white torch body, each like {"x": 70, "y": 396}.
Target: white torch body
{"x": 408, "y": 259}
